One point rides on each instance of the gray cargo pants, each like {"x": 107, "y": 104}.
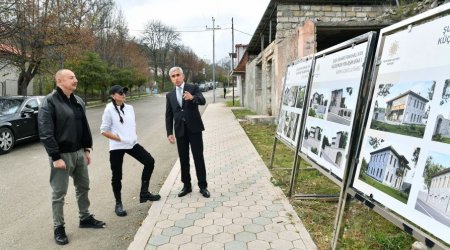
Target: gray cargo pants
{"x": 77, "y": 168}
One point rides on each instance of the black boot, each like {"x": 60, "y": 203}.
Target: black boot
{"x": 60, "y": 236}
{"x": 119, "y": 209}
{"x": 145, "y": 195}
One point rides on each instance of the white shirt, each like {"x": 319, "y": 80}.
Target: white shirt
{"x": 126, "y": 130}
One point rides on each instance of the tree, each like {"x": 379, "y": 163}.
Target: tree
{"x": 159, "y": 39}
{"x": 415, "y": 156}
{"x": 431, "y": 91}
{"x": 364, "y": 166}
{"x": 445, "y": 92}
{"x": 431, "y": 169}
{"x": 343, "y": 140}
{"x": 325, "y": 142}
{"x": 47, "y": 31}
{"x": 91, "y": 72}
{"x": 383, "y": 89}
{"x": 8, "y": 23}
{"x": 375, "y": 142}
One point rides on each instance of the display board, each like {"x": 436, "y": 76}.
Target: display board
{"x": 293, "y": 100}
{"x": 336, "y": 81}
{"x": 404, "y": 159}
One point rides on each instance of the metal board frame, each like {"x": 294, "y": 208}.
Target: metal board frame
{"x": 348, "y": 189}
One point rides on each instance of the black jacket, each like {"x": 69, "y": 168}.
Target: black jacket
{"x": 188, "y": 114}
{"x": 58, "y": 126}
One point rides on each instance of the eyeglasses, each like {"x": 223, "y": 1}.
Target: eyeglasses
{"x": 121, "y": 93}
{"x": 174, "y": 75}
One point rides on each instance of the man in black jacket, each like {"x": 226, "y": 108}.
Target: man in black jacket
{"x": 182, "y": 114}
{"x": 65, "y": 133}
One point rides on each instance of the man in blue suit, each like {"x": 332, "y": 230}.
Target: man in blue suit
{"x": 183, "y": 116}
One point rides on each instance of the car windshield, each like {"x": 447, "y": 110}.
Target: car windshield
{"x": 9, "y": 106}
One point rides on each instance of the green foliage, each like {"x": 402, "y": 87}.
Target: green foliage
{"x": 431, "y": 169}
{"x": 91, "y": 72}
{"x": 394, "y": 193}
{"x": 410, "y": 130}
{"x": 365, "y": 229}
{"x": 312, "y": 112}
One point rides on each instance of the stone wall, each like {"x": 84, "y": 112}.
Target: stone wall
{"x": 289, "y": 16}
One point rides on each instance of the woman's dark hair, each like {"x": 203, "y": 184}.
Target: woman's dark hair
{"x": 121, "y": 109}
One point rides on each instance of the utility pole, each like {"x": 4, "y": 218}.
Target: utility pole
{"x": 233, "y": 55}
{"x": 214, "y": 62}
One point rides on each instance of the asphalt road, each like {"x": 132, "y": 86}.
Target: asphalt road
{"x": 25, "y": 193}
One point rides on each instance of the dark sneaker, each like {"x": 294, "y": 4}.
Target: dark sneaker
{"x": 149, "y": 197}
{"x": 119, "y": 210}
{"x": 91, "y": 222}
{"x": 60, "y": 236}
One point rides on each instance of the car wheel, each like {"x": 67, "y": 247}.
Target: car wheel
{"x": 6, "y": 140}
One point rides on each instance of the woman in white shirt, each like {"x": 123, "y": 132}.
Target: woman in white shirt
{"x": 119, "y": 126}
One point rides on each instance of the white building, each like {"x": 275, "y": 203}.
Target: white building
{"x": 318, "y": 103}
{"x": 9, "y": 76}
{"x": 406, "y": 108}
{"x": 388, "y": 167}
{"x": 335, "y": 152}
{"x": 442, "y": 126}
{"x": 337, "y": 105}
{"x": 439, "y": 192}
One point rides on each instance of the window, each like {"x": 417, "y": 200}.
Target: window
{"x": 32, "y": 104}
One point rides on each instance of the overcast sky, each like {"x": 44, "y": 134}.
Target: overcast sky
{"x": 192, "y": 17}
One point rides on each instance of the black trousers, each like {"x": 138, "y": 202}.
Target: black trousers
{"x": 195, "y": 140}
{"x": 116, "y": 160}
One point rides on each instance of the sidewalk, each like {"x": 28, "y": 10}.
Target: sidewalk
{"x": 245, "y": 210}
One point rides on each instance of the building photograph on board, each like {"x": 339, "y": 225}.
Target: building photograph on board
{"x": 403, "y": 108}
{"x": 389, "y": 166}
{"x": 433, "y": 199}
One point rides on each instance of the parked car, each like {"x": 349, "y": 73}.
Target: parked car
{"x": 203, "y": 87}
{"x": 18, "y": 120}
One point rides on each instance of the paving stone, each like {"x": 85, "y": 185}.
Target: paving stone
{"x": 195, "y": 216}
{"x": 267, "y": 236}
{"x": 180, "y": 239}
{"x": 245, "y": 236}
{"x": 158, "y": 240}
{"x": 242, "y": 221}
{"x": 165, "y": 224}
{"x": 172, "y": 231}
{"x": 281, "y": 244}
{"x": 233, "y": 229}
{"x": 222, "y": 209}
{"x": 176, "y": 216}
{"x": 222, "y": 221}
{"x": 268, "y": 214}
{"x": 223, "y": 237}
{"x": 204, "y": 210}
{"x": 187, "y": 210}
{"x": 213, "y": 246}
{"x": 202, "y": 238}
{"x": 253, "y": 228}
{"x": 192, "y": 230}
{"x": 168, "y": 247}
{"x": 289, "y": 235}
{"x": 262, "y": 221}
{"x": 213, "y": 229}
{"x": 180, "y": 205}
{"x": 213, "y": 215}
{"x": 190, "y": 246}
{"x": 245, "y": 210}
{"x": 258, "y": 244}
{"x": 235, "y": 245}
{"x": 276, "y": 228}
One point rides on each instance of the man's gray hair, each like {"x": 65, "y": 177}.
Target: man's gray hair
{"x": 176, "y": 68}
